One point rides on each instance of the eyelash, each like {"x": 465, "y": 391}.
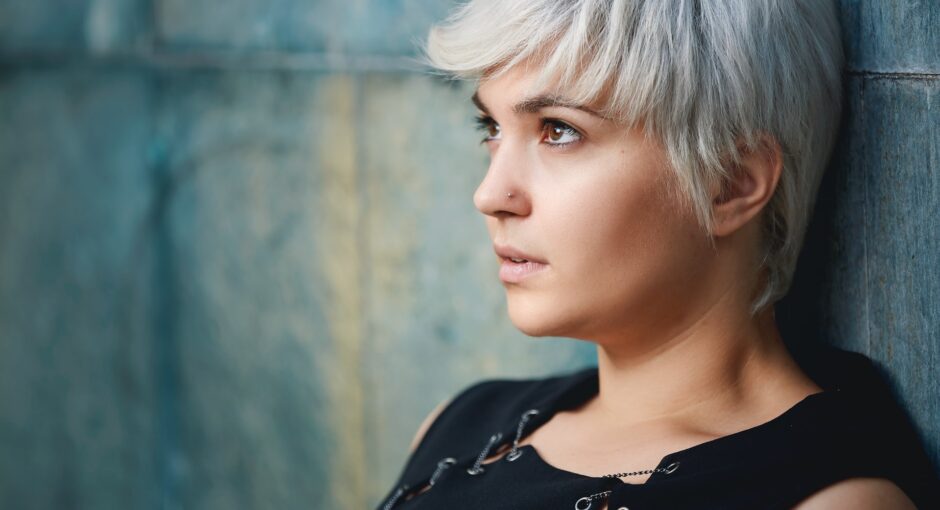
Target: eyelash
{"x": 484, "y": 123}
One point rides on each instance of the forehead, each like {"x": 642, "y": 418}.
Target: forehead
{"x": 519, "y": 80}
{"x": 518, "y": 87}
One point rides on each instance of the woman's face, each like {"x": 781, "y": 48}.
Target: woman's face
{"x": 590, "y": 199}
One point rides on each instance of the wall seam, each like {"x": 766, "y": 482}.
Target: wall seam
{"x": 894, "y": 75}
{"x": 221, "y": 60}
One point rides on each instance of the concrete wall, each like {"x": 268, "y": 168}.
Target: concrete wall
{"x": 869, "y": 275}
{"x": 236, "y": 270}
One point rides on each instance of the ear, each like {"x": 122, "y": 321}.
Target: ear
{"x": 753, "y": 181}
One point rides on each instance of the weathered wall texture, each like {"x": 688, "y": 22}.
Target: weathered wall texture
{"x": 239, "y": 261}
{"x": 870, "y": 271}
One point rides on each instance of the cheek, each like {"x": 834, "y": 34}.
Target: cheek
{"x": 622, "y": 234}
{"x": 605, "y": 211}
{"x": 615, "y": 235}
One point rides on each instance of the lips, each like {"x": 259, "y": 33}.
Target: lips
{"x": 517, "y": 266}
{"x": 509, "y": 253}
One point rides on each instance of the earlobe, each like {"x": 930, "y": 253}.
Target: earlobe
{"x": 753, "y": 180}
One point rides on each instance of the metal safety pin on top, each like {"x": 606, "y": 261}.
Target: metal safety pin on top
{"x": 441, "y": 466}
{"x": 515, "y": 453}
{"x": 477, "y": 467}
{"x": 394, "y": 499}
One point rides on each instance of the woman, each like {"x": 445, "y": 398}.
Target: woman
{"x": 653, "y": 167}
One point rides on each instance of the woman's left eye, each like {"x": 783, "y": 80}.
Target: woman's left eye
{"x": 489, "y": 127}
{"x": 555, "y": 132}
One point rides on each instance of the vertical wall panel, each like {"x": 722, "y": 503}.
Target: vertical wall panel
{"x": 888, "y": 290}
{"x": 268, "y": 375}
{"x": 902, "y": 172}
{"x": 76, "y": 406}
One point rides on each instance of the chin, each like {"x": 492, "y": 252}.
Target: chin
{"x": 537, "y": 319}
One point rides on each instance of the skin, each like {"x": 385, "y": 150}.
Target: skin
{"x": 680, "y": 359}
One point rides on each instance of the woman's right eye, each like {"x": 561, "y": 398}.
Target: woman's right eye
{"x": 489, "y": 127}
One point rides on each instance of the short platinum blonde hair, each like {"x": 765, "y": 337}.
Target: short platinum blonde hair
{"x": 706, "y": 78}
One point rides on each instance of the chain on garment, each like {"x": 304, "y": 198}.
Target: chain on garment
{"x": 585, "y": 502}
{"x": 394, "y": 499}
{"x": 478, "y": 465}
{"x": 477, "y": 468}
{"x": 515, "y": 453}
{"x": 441, "y": 466}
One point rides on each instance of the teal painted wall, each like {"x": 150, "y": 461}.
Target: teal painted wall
{"x": 239, "y": 260}
{"x": 869, "y": 276}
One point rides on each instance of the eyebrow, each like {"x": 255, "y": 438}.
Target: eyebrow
{"x": 536, "y": 103}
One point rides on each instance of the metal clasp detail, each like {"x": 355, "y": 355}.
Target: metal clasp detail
{"x": 441, "y": 466}
{"x": 394, "y": 499}
{"x": 477, "y": 467}
{"x": 516, "y": 452}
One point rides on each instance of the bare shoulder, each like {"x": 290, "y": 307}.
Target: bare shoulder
{"x": 859, "y": 494}
{"x": 423, "y": 428}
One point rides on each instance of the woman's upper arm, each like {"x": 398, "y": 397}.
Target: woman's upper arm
{"x": 859, "y": 494}
{"x": 423, "y": 428}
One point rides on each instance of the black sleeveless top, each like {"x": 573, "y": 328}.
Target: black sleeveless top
{"x": 851, "y": 429}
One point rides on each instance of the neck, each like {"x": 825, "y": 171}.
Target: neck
{"x": 723, "y": 361}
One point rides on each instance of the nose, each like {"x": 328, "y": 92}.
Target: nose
{"x": 505, "y": 175}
